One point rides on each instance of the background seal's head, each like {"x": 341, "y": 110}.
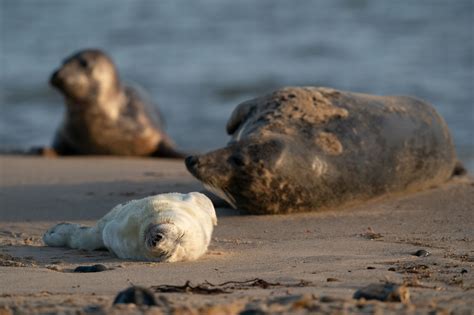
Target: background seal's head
{"x": 86, "y": 76}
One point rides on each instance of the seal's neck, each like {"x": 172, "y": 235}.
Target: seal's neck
{"x": 112, "y": 102}
{"x": 108, "y": 104}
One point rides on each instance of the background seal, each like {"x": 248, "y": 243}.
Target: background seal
{"x": 103, "y": 116}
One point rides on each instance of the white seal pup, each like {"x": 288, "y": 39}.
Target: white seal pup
{"x": 167, "y": 227}
{"x": 104, "y": 116}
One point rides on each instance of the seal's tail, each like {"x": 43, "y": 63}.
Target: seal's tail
{"x": 33, "y": 151}
{"x": 166, "y": 150}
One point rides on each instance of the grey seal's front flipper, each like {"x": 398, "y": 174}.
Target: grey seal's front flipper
{"x": 238, "y": 116}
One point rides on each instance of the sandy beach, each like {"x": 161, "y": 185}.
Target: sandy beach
{"x": 312, "y": 262}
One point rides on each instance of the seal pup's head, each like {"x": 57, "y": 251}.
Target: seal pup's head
{"x": 87, "y": 77}
{"x": 179, "y": 227}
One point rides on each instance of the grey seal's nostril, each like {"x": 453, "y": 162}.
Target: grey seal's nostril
{"x": 191, "y": 161}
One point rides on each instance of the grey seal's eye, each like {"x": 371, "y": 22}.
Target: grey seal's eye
{"x": 237, "y": 160}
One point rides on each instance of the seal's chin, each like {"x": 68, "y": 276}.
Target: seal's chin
{"x": 224, "y": 194}
{"x": 192, "y": 164}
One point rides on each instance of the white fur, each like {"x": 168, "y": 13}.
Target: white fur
{"x": 184, "y": 222}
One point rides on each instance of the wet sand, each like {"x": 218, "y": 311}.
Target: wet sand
{"x": 312, "y": 262}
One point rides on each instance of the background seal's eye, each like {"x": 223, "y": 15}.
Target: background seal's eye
{"x": 236, "y": 160}
{"x": 84, "y": 63}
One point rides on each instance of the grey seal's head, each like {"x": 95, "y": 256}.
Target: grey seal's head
{"x": 262, "y": 175}
{"x": 86, "y": 76}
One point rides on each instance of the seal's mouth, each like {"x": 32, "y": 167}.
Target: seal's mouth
{"x": 192, "y": 164}
{"x": 222, "y": 193}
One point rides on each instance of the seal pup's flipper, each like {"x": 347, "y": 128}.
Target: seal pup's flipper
{"x": 74, "y": 236}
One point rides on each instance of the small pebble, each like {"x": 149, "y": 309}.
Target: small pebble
{"x": 329, "y": 299}
{"x": 463, "y": 271}
{"x": 332, "y": 280}
{"x": 421, "y": 253}
{"x": 386, "y": 292}
{"x": 135, "y": 295}
{"x": 94, "y": 268}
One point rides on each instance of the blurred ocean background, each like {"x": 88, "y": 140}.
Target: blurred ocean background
{"x": 199, "y": 59}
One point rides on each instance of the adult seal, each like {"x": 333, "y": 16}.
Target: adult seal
{"x": 307, "y": 148}
{"x": 104, "y": 116}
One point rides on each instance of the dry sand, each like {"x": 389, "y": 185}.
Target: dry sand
{"x": 318, "y": 259}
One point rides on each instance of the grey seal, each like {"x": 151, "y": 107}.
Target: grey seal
{"x": 103, "y": 116}
{"x": 308, "y": 148}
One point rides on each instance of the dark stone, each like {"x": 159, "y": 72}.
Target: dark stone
{"x": 135, "y": 295}
{"x": 421, "y": 253}
{"x": 94, "y": 268}
{"x": 386, "y": 292}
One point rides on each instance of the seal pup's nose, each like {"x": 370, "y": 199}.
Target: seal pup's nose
{"x": 191, "y": 161}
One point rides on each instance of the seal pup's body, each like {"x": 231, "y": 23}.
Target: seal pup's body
{"x": 167, "y": 227}
{"x": 306, "y": 149}
{"x": 103, "y": 116}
